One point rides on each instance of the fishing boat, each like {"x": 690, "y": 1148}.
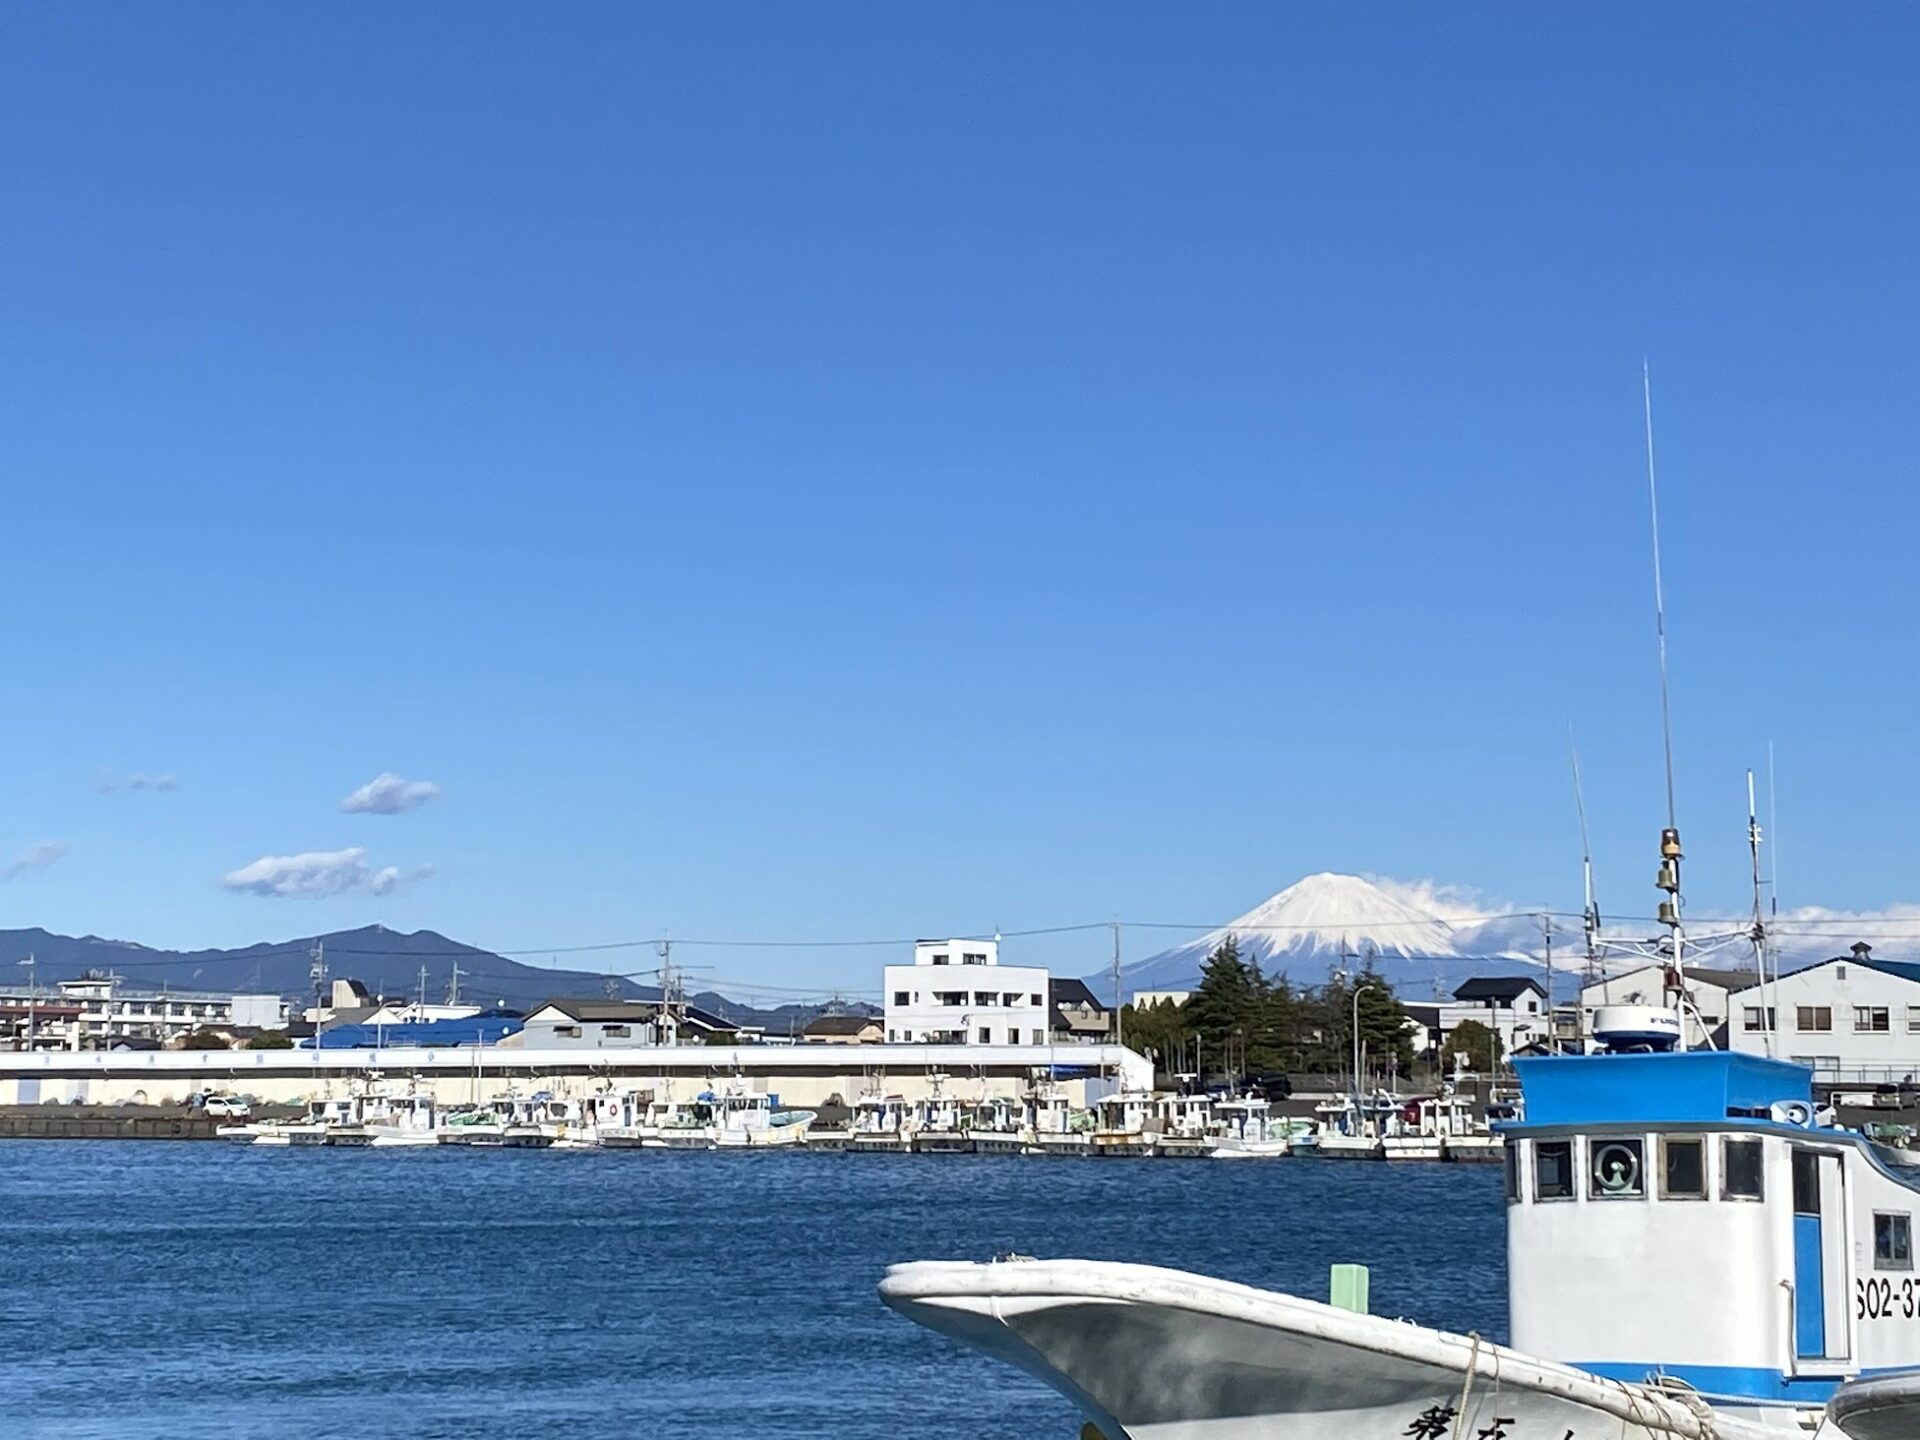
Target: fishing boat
{"x": 938, "y": 1126}
{"x": 1059, "y": 1127}
{"x": 1348, "y": 1128}
{"x": 1187, "y": 1125}
{"x": 1744, "y": 1264}
{"x": 881, "y": 1125}
{"x": 1249, "y": 1131}
{"x": 999, "y": 1126}
{"x": 744, "y": 1119}
{"x": 1121, "y": 1125}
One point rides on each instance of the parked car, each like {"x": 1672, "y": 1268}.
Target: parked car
{"x": 232, "y": 1107}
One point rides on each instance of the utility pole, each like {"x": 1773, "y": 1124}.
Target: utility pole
{"x": 421, "y": 1014}
{"x": 32, "y": 993}
{"x": 1546, "y": 930}
{"x": 1118, "y": 1038}
{"x": 453, "y": 984}
{"x": 317, "y": 972}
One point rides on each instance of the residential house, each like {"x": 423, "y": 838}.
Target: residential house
{"x": 844, "y": 1030}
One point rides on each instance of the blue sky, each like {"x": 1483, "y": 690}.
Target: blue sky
{"x": 871, "y": 471}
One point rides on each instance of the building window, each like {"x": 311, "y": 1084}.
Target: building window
{"x": 986, "y": 1036}
{"x": 1767, "y": 1019}
{"x": 1035, "y": 1000}
{"x": 940, "y": 959}
{"x": 1039, "y": 1037}
{"x": 900, "y": 997}
{"x": 1817, "y": 1019}
{"x": 1740, "y": 1170}
{"x": 1870, "y": 1019}
{"x": 572, "y": 1031}
{"x": 1616, "y": 1172}
{"x": 1683, "y": 1168}
{"x": 619, "y": 1030}
{"x": 1892, "y": 1242}
{"x": 1839, "y": 972}
{"x": 972, "y": 957}
{"x": 1553, "y": 1170}
{"x": 893, "y": 1037}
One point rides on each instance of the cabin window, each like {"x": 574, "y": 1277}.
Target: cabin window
{"x": 1553, "y": 1169}
{"x": 1806, "y": 1182}
{"x": 1740, "y": 1170}
{"x": 1512, "y": 1158}
{"x": 1615, "y": 1171}
{"x": 1683, "y": 1168}
{"x": 1815, "y": 1018}
{"x": 1892, "y": 1242}
{"x": 1872, "y": 1019}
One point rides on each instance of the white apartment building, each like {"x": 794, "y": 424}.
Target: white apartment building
{"x": 97, "y": 1009}
{"x": 957, "y": 992}
{"x": 1853, "y": 1018}
{"x": 1708, "y": 1007}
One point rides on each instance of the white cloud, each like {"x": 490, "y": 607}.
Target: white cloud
{"x": 34, "y": 857}
{"x": 319, "y": 874}
{"x": 390, "y": 794}
{"x": 107, "y": 782}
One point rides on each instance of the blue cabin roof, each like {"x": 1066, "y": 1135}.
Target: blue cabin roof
{"x": 1698, "y": 1086}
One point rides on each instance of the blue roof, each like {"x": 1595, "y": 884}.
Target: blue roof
{"x": 1699, "y": 1086}
{"x": 427, "y": 1035}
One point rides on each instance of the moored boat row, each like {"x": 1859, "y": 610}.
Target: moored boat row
{"x": 1126, "y": 1123}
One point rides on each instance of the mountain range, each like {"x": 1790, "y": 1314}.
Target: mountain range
{"x": 387, "y": 962}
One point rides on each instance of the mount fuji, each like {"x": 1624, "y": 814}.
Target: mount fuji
{"x": 1330, "y": 920}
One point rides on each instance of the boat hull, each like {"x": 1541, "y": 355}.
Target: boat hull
{"x": 1151, "y": 1354}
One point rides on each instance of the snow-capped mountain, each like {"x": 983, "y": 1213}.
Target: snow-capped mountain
{"x": 1308, "y": 927}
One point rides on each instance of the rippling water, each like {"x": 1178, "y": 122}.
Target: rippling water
{"x": 216, "y": 1291}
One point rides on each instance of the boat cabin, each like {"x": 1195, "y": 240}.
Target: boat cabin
{"x": 1693, "y": 1214}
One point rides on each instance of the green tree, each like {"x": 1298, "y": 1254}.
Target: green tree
{"x": 1225, "y": 1011}
{"x": 1479, "y": 1043}
{"x": 205, "y": 1039}
{"x": 1157, "y": 1030}
{"x": 1384, "y": 1039}
{"x": 270, "y": 1040}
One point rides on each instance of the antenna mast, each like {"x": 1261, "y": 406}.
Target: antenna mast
{"x": 1670, "y": 853}
{"x": 1590, "y": 914}
{"x": 1758, "y": 932}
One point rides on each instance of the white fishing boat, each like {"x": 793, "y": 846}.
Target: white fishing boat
{"x": 1250, "y": 1131}
{"x": 1187, "y": 1125}
{"x": 1348, "y": 1129}
{"x": 999, "y": 1126}
{"x": 1059, "y": 1128}
{"x": 1741, "y": 1263}
{"x": 881, "y": 1125}
{"x": 744, "y": 1119}
{"x": 1121, "y": 1125}
{"x": 509, "y": 1121}
{"x": 938, "y": 1124}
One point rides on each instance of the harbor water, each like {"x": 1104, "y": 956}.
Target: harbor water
{"x": 225, "y": 1291}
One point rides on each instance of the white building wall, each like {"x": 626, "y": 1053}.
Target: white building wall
{"x": 1852, "y": 1001}
{"x": 1647, "y": 986}
{"x": 957, "y": 992}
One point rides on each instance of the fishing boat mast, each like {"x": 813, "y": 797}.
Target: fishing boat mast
{"x": 1668, "y": 878}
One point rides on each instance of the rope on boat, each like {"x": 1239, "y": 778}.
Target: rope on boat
{"x": 1466, "y": 1386}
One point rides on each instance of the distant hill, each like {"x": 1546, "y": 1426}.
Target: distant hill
{"x": 386, "y": 961}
